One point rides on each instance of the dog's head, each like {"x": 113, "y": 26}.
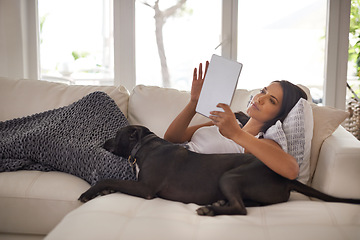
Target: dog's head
{"x": 125, "y": 140}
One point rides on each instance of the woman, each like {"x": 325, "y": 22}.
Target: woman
{"x": 273, "y": 103}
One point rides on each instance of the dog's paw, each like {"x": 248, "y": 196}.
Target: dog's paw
{"x": 205, "y": 211}
{"x": 106, "y": 192}
{"x": 88, "y": 195}
{"x": 220, "y": 203}
{"x": 91, "y": 194}
{"x": 85, "y": 197}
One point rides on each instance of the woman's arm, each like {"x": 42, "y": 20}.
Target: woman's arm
{"x": 270, "y": 153}
{"x": 179, "y": 130}
{"x": 266, "y": 150}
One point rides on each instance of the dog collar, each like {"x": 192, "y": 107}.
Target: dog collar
{"x": 136, "y": 148}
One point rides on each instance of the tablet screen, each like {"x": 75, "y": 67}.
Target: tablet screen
{"x": 219, "y": 84}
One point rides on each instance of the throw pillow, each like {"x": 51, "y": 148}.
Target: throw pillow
{"x": 294, "y": 135}
{"x": 326, "y": 121}
{"x": 298, "y": 128}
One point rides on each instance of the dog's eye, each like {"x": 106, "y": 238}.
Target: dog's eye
{"x": 133, "y": 135}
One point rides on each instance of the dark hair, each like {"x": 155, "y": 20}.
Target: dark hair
{"x": 291, "y": 95}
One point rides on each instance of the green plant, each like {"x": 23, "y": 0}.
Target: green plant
{"x": 76, "y": 54}
{"x": 42, "y": 22}
{"x": 354, "y": 35}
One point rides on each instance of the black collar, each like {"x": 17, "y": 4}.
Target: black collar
{"x": 138, "y": 145}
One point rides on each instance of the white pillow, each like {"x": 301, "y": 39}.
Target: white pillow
{"x": 277, "y": 134}
{"x": 297, "y": 129}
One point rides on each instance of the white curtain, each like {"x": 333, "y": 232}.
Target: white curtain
{"x": 18, "y": 41}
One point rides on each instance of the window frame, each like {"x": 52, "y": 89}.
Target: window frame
{"x": 336, "y": 51}
{"x": 124, "y": 43}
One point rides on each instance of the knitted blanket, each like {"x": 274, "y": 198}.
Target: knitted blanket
{"x": 67, "y": 139}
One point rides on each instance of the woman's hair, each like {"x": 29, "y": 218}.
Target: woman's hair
{"x": 291, "y": 95}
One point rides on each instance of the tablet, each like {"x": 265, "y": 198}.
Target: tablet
{"x": 219, "y": 84}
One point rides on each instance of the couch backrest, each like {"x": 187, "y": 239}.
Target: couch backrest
{"x": 153, "y": 107}
{"x": 22, "y": 97}
{"x": 156, "y": 107}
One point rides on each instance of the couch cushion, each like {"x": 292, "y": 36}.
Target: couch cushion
{"x": 338, "y": 167}
{"x": 33, "y": 202}
{"x": 125, "y": 217}
{"x": 326, "y": 121}
{"x": 23, "y": 97}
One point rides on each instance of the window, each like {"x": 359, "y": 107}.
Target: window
{"x": 189, "y": 36}
{"x": 76, "y": 41}
{"x": 287, "y": 41}
{"x": 282, "y": 40}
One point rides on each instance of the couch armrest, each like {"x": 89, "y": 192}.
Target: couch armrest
{"x": 338, "y": 168}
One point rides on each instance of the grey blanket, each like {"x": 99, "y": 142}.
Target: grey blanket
{"x": 67, "y": 139}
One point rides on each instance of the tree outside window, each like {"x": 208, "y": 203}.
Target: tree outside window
{"x": 354, "y": 47}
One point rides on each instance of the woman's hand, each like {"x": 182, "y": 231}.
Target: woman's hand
{"x": 226, "y": 121}
{"x": 179, "y": 130}
{"x": 198, "y": 80}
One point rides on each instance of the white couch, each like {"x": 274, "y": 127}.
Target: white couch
{"x": 34, "y": 205}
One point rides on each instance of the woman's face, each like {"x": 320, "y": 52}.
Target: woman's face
{"x": 266, "y": 105}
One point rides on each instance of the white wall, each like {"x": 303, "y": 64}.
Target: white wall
{"x": 18, "y": 45}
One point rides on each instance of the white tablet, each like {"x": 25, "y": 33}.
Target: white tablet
{"x": 219, "y": 84}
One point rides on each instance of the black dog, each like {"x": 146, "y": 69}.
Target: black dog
{"x": 230, "y": 181}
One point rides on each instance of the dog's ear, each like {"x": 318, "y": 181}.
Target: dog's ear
{"x": 138, "y": 133}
